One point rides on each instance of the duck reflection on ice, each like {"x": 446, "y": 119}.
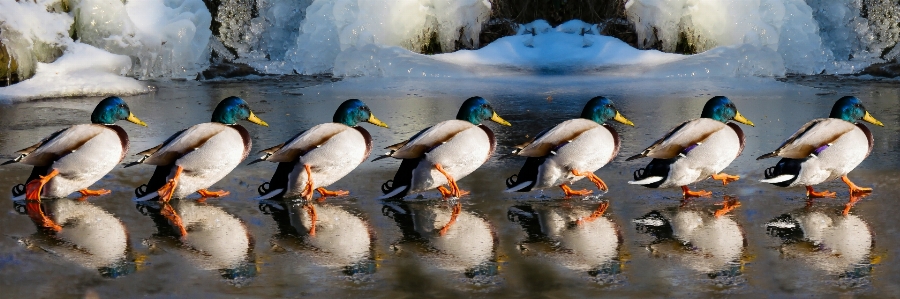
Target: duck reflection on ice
{"x": 342, "y": 239}
{"x": 90, "y": 236}
{"x": 576, "y": 237}
{"x": 706, "y": 242}
{"x": 214, "y": 239}
{"x": 468, "y": 245}
{"x": 826, "y": 239}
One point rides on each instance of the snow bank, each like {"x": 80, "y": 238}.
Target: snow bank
{"x": 164, "y": 38}
{"x": 811, "y": 36}
{"x": 31, "y": 34}
{"x": 83, "y": 70}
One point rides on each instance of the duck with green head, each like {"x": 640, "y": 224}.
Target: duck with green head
{"x": 320, "y": 156}
{"x": 570, "y": 151}
{"x": 195, "y": 158}
{"x": 825, "y": 149}
{"x": 74, "y": 158}
{"x": 444, "y": 153}
{"x": 695, "y": 150}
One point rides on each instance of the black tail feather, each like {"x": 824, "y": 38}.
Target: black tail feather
{"x": 529, "y": 172}
{"x": 785, "y": 166}
{"x": 280, "y": 180}
{"x": 158, "y": 180}
{"x": 657, "y": 167}
{"x": 403, "y": 177}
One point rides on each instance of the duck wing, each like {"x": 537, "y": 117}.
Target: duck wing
{"x": 303, "y": 143}
{"x": 180, "y": 144}
{"x": 429, "y": 138}
{"x": 58, "y": 144}
{"x": 682, "y": 137}
{"x": 550, "y": 140}
{"x": 811, "y": 136}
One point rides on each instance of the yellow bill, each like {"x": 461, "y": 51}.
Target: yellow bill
{"x": 741, "y": 119}
{"x": 375, "y": 121}
{"x": 868, "y": 117}
{"x": 621, "y": 118}
{"x": 497, "y": 119}
{"x": 138, "y": 121}
{"x": 254, "y": 119}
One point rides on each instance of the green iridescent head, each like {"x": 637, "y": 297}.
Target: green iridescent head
{"x": 113, "y": 109}
{"x": 353, "y": 111}
{"x": 601, "y": 109}
{"x": 722, "y": 109}
{"x": 231, "y": 109}
{"x": 851, "y": 109}
{"x": 477, "y": 109}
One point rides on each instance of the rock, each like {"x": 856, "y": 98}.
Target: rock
{"x": 227, "y": 70}
{"x": 8, "y": 68}
{"x": 889, "y": 70}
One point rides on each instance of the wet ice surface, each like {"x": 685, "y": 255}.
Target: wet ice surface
{"x": 503, "y": 245}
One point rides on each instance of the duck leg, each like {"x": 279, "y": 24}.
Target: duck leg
{"x": 167, "y": 190}
{"x": 206, "y": 193}
{"x": 854, "y": 189}
{"x": 33, "y": 202}
{"x": 813, "y": 194}
{"x": 457, "y": 208}
{"x": 725, "y": 178}
{"x": 569, "y": 192}
{"x": 311, "y": 210}
{"x": 596, "y": 214}
{"x": 593, "y": 177}
{"x": 85, "y": 193}
{"x": 687, "y": 193}
{"x": 454, "y": 188}
{"x": 728, "y": 205}
{"x": 852, "y": 202}
{"x": 308, "y": 189}
{"x": 325, "y": 193}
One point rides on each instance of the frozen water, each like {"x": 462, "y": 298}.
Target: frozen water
{"x": 82, "y": 70}
{"x": 164, "y": 38}
{"x": 32, "y": 34}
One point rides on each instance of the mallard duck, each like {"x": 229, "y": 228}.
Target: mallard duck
{"x": 318, "y": 157}
{"x": 74, "y": 158}
{"x": 197, "y": 157}
{"x": 570, "y": 151}
{"x": 444, "y": 153}
{"x": 825, "y": 149}
{"x": 695, "y": 150}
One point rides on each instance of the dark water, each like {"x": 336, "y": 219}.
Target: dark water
{"x": 647, "y": 242}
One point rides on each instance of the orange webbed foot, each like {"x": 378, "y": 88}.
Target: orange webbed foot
{"x": 854, "y": 189}
{"x": 822, "y": 194}
{"x": 208, "y": 194}
{"x": 728, "y": 205}
{"x": 596, "y": 214}
{"x": 454, "y": 188}
{"x": 167, "y": 190}
{"x": 325, "y": 193}
{"x": 593, "y": 178}
{"x": 687, "y": 193}
{"x": 569, "y": 192}
{"x": 725, "y": 178}
{"x": 98, "y": 192}
{"x": 33, "y": 202}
